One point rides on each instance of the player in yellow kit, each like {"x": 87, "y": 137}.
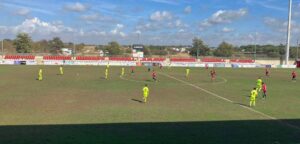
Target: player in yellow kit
{"x": 187, "y": 72}
{"x": 106, "y": 73}
{"x": 259, "y": 84}
{"x": 122, "y": 72}
{"x": 40, "y": 75}
{"x": 61, "y": 70}
{"x": 145, "y": 93}
{"x": 253, "y": 96}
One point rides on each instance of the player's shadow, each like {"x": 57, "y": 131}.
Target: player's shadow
{"x": 198, "y": 132}
{"x": 241, "y": 104}
{"x": 103, "y": 78}
{"x": 136, "y": 100}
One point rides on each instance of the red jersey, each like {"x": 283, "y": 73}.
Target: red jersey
{"x": 153, "y": 74}
{"x": 264, "y": 87}
{"x": 294, "y": 74}
{"x": 212, "y": 73}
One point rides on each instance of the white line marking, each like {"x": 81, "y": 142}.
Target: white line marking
{"x": 140, "y": 81}
{"x": 224, "y": 80}
{"x": 230, "y": 101}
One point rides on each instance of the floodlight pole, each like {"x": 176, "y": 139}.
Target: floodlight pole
{"x": 74, "y": 47}
{"x": 138, "y": 38}
{"x": 287, "y": 54}
{"x": 255, "y": 46}
{"x": 297, "y": 50}
{"x": 2, "y": 48}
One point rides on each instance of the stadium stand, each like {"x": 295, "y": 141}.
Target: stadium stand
{"x": 57, "y": 58}
{"x": 121, "y": 59}
{"x": 19, "y": 57}
{"x": 153, "y": 59}
{"x": 213, "y": 60}
{"x": 89, "y": 58}
{"x": 183, "y": 60}
{"x": 242, "y": 61}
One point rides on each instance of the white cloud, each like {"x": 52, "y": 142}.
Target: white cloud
{"x": 154, "y": 26}
{"x": 181, "y": 30}
{"x": 161, "y": 16}
{"x": 36, "y": 26}
{"x": 171, "y": 2}
{"x": 138, "y": 32}
{"x": 76, "y": 7}
{"x": 118, "y": 30}
{"x": 3, "y": 29}
{"x": 274, "y": 23}
{"x": 122, "y": 34}
{"x": 188, "y": 9}
{"x": 269, "y": 4}
{"x": 91, "y": 17}
{"x": 120, "y": 26}
{"x": 19, "y": 5}
{"x": 278, "y": 25}
{"x": 178, "y": 23}
{"x": 101, "y": 33}
{"x": 227, "y": 30}
{"x": 22, "y": 12}
{"x": 96, "y": 17}
{"x": 223, "y": 16}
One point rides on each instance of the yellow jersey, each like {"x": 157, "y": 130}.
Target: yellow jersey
{"x": 146, "y": 90}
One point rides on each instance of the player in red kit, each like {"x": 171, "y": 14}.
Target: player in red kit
{"x": 206, "y": 66}
{"x": 294, "y": 75}
{"x": 132, "y": 69}
{"x": 154, "y": 75}
{"x": 267, "y": 72}
{"x": 264, "y": 89}
{"x": 160, "y": 66}
{"x": 213, "y": 74}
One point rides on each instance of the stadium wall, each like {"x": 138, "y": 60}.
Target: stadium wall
{"x": 166, "y": 62}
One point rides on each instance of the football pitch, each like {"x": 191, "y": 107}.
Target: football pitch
{"x": 83, "y": 107}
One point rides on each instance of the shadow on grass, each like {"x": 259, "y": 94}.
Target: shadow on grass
{"x": 241, "y": 104}
{"x": 223, "y": 132}
{"x": 136, "y": 100}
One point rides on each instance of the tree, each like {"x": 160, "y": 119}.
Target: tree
{"x": 146, "y": 51}
{"x": 199, "y": 48}
{"x": 40, "y": 46}
{"x": 128, "y": 51}
{"x": 55, "y": 45}
{"x": 281, "y": 53}
{"x": 23, "y": 43}
{"x": 8, "y": 46}
{"x": 224, "y": 50}
{"x": 113, "y": 48}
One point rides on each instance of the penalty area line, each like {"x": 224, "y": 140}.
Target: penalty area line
{"x": 230, "y": 101}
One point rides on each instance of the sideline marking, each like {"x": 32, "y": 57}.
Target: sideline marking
{"x": 230, "y": 101}
{"x": 224, "y": 80}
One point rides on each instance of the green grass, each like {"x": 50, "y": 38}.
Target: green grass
{"x": 82, "y": 107}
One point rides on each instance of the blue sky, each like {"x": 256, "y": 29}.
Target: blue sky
{"x": 157, "y": 22}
